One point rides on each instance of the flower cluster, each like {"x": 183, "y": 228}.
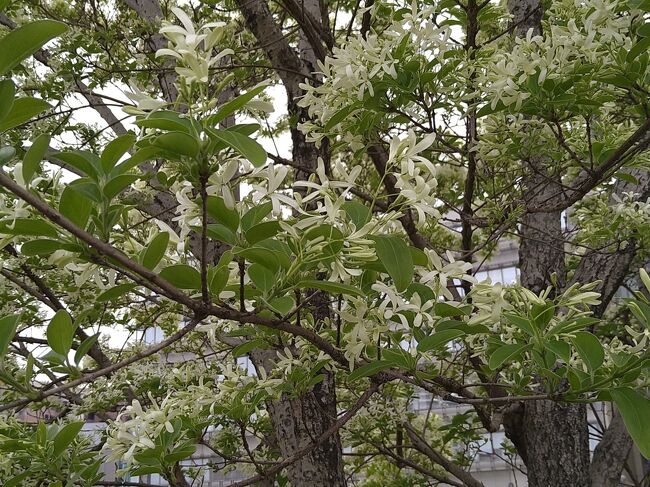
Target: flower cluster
{"x": 193, "y": 49}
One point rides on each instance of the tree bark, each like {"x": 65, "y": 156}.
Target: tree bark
{"x": 552, "y": 438}
{"x": 298, "y": 421}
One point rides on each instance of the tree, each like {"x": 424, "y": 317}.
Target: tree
{"x": 422, "y": 135}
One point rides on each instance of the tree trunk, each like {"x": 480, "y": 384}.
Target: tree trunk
{"x": 298, "y": 422}
{"x": 552, "y": 438}
{"x": 557, "y": 444}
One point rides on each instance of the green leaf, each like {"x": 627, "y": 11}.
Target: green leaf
{"x": 244, "y": 348}
{"x": 118, "y": 184}
{"x": 419, "y": 257}
{"x": 637, "y": 49}
{"x": 446, "y": 310}
{"x": 439, "y": 339}
{"x": 522, "y": 323}
{"x": 7, "y": 153}
{"x": 85, "y": 347}
{"x": 155, "y": 250}
{"x": 8, "y": 326}
{"x": 255, "y": 215}
{"x": 396, "y": 257}
{"x": 339, "y": 116}
{"x": 179, "y": 143}
{"x": 116, "y": 149}
{"x": 23, "y": 110}
{"x": 182, "y": 276}
{"x": 24, "y": 41}
{"x": 144, "y": 154}
{"x": 17, "y": 480}
{"x": 41, "y": 246}
{"x": 28, "y": 227}
{"x": 85, "y": 162}
{"x": 589, "y": 349}
{"x": 218, "y": 211}
{"x": 559, "y": 348}
{"x": 262, "y": 231}
{"x": 369, "y": 369}
{"x": 217, "y": 231}
{"x": 282, "y": 305}
{"x": 506, "y": 353}
{"x": 644, "y": 30}
{"x": 165, "y": 120}
{"x": 243, "y": 144}
{"x": 330, "y": 287}
{"x": 219, "y": 279}
{"x": 66, "y": 436}
{"x": 60, "y": 332}
{"x": 262, "y": 256}
{"x": 233, "y": 105}
{"x": 115, "y": 292}
{"x": 75, "y": 206}
{"x": 179, "y": 454}
{"x": 34, "y": 156}
{"x": 358, "y": 213}
{"x": 262, "y": 277}
{"x": 329, "y": 235}
{"x": 7, "y": 93}
{"x": 634, "y": 410}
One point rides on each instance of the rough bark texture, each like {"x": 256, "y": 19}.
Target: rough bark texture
{"x": 552, "y": 438}
{"x": 557, "y": 444}
{"x": 610, "y": 455}
{"x": 298, "y": 422}
{"x": 554, "y": 442}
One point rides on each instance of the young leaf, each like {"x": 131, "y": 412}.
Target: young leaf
{"x": 506, "y": 353}
{"x": 634, "y": 410}
{"x": 23, "y": 110}
{"x": 118, "y": 184}
{"x": 439, "y": 339}
{"x": 369, "y": 369}
{"x": 358, "y": 213}
{"x": 8, "y": 326}
{"x": 589, "y": 349}
{"x": 218, "y": 211}
{"x": 75, "y": 206}
{"x": 7, "y": 93}
{"x": 262, "y": 231}
{"x": 243, "y": 144}
{"x": 66, "y": 436}
{"x": 115, "y": 292}
{"x": 116, "y": 149}
{"x": 41, "y": 246}
{"x": 84, "y": 348}
{"x": 28, "y": 227}
{"x": 246, "y": 347}
{"x": 155, "y": 250}
{"x": 522, "y": 323}
{"x": 179, "y": 143}
{"x": 396, "y": 257}
{"x": 182, "y": 276}
{"x": 255, "y": 215}
{"x": 86, "y": 163}
{"x": 165, "y": 120}
{"x": 233, "y": 105}
{"x": 34, "y": 156}
{"x": 262, "y": 277}
{"x": 60, "y": 332}
{"x": 24, "y": 41}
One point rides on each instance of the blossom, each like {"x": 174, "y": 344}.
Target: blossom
{"x": 193, "y": 48}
